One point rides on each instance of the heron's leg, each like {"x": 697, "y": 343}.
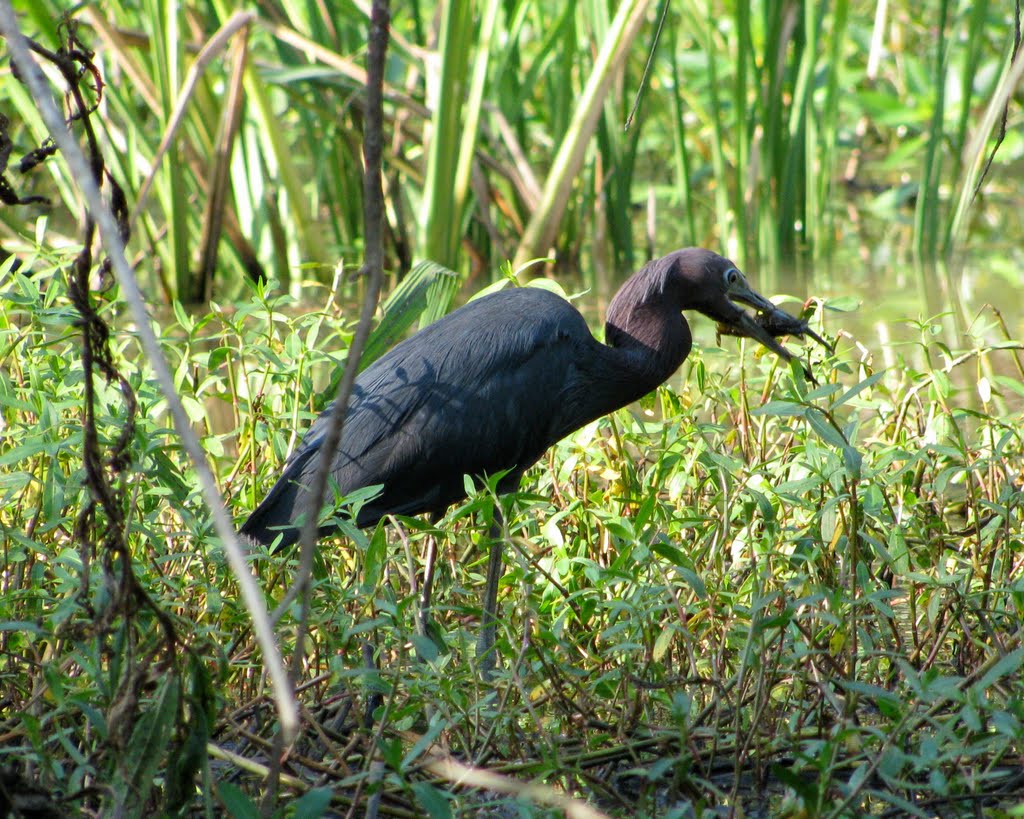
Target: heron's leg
{"x": 428, "y": 585}
{"x": 488, "y": 624}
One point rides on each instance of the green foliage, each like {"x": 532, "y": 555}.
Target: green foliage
{"x": 823, "y": 579}
{"x": 758, "y": 126}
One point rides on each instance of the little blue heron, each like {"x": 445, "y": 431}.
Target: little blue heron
{"x": 491, "y": 386}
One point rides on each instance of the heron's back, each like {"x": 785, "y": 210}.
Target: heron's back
{"x": 477, "y": 392}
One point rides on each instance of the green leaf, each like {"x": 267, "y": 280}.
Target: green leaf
{"x": 793, "y": 778}
{"x": 643, "y": 514}
{"x": 781, "y": 409}
{"x": 195, "y": 409}
{"x": 188, "y": 757}
{"x": 552, "y": 533}
{"x": 856, "y": 389}
{"x": 663, "y": 642}
{"x": 33, "y": 730}
{"x": 437, "y": 726}
{"x": 852, "y": 459}
{"x": 183, "y": 318}
{"x": 1012, "y": 384}
{"x": 899, "y": 551}
{"x": 695, "y": 581}
{"x": 829, "y": 522}
{"x": 21, "y": 625}
{"x": 407, "y": 302}
{"x": 374, "y": 560}
{"x": 1010, "y": 664}
{"x": 823, "y": 391}
{"x": 550, "y": 285}
{"x": 620, "y": 528}
{"x": 434, "y": 801}
{"x": 875, "y": 694}
{"x": 218, "y": 356}
{"x": 493, "y": 287}
{"x": 425, "y": 647}
{"x": 828, "y": 433}
{"x": 941, "y": 384}
{"x": 391, "y": 752}
{"x": 670, "y": 553}
{"x": 843, "y": 304}
{"x": 313, "y": 804}
{"x": 764, "y": 506}
{"x": 149, "y": 740}
{"x": 236, "y": 802}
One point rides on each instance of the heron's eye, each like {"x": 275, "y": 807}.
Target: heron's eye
{"x": 732, "y": 275}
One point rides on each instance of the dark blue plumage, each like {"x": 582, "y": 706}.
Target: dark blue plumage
{"x": 494, "y": 384}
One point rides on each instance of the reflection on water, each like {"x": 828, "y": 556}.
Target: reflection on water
{"x": 914, "y": 317}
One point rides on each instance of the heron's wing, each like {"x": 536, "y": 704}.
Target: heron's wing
{"x": 472, "y": 394}
{"x": 479, "y": 391}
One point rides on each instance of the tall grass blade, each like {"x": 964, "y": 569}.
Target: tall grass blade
{"x": 723, "y": 216}
{"x": 442, "y": 211}
{"x": 617, "y": 147}
{"x": 471, "y": 126}
{"x": 220, "y": 176}
{"x": 165, "y": 68}
{"x": 926, "y": 216}
{"x": 741, "y": 132}
{"x": 683, "y": 182}
{"x": 414, "y": 297}
{"x": 975, "y": 153}
{"x": 281, "y": 161}
{"x": 835, "y": 85}
{"x": 544, "y": 222}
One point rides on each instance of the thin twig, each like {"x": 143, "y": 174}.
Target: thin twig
{"x": 373, "y": 267}
{"x": 1001, "y": 133}
{"x": 373, "y": 214}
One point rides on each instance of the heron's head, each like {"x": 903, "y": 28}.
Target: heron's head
{"x": 697, "y": 279}
{"x": 711, "y": 284}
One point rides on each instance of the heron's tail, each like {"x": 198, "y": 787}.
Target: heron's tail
{"x": 279, "y": 512}
{"x": 277, "y": 515}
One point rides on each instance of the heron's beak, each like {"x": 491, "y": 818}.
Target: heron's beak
{"x": 743, "y": 324}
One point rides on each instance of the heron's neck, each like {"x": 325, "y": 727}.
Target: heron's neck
{"x": 650, "y": 340}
